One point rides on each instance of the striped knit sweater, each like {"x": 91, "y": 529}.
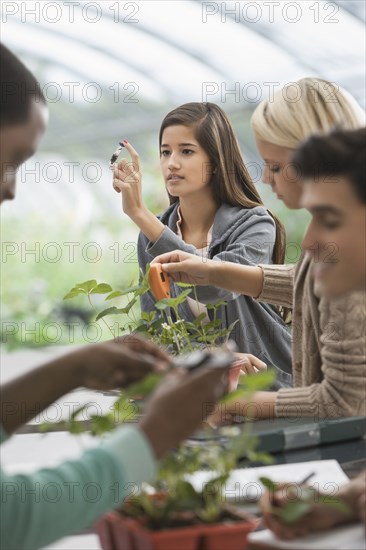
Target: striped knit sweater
{"x": 328, "y": 345}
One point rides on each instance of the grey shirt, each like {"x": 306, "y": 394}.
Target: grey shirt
{"x": 244, "y": 236}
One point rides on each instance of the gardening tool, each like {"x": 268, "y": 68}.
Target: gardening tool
{"x": 158, "y": 282}
{"x": 203, "y": 358}
{"x": 160, "y": 288}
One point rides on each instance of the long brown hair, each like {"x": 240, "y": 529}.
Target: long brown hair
{"x": 230, "y": 180}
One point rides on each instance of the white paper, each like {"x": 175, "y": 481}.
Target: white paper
{"x": 244, "y": 484}
{"x": 351, "y": 537}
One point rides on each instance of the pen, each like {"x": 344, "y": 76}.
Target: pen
{"x": 309, "y": 476}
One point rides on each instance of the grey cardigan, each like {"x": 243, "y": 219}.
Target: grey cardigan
{"x": 244, "y": 236}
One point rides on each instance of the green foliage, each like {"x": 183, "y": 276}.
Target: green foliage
{"x": 268, "y": 483}
{"x": 173, "y": 499}
{"x": 179, "y": 336}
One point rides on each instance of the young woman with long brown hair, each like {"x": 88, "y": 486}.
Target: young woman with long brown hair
{"x": 215, "y": 212}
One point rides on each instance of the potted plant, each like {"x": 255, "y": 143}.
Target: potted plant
{"x": 174, "y": 513}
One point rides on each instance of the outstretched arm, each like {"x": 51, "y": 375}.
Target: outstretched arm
{"x": 101, "y": 366}
{"x": 190, "y": 268}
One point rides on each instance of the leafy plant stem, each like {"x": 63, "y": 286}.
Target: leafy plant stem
{"x": 134, "y": 320}
{"x": 197, "y": 302}
{"x": 185, "y": 332}
{"x": 96, "y": 312}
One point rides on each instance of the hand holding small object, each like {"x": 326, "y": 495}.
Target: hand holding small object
{"x": 115, "y": 155}
{"x": 127, "y": 181}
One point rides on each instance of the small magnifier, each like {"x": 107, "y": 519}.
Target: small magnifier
{"x": 201, "y": 358}
{"x": 158, "y": 282}
{"x": 116, "y": 154}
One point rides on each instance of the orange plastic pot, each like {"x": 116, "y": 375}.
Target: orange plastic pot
{"x": 228, "y": 536}
{"x": 119, "y": 533}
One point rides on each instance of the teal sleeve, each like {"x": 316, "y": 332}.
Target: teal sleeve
{"x": 3, "y": 435}
{"x": 54, "y": 502}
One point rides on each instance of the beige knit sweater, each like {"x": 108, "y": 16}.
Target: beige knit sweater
{"x": 328, "y": 343}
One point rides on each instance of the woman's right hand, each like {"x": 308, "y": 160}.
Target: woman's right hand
{"x": 127, "y": 181}
{"x": 186, "y": 268}
{"x": 321, "y": 516}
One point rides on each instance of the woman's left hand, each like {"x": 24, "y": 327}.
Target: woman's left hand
{"x": 249, "y": 364}
{"x": 127, "y": 180}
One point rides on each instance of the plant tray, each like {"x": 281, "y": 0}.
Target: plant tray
{"x": 119, "y": 533}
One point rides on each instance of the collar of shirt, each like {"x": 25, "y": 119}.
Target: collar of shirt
{"x": 204, "y": 249}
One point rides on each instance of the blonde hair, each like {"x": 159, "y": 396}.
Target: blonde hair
{"x": 308, "y": 106}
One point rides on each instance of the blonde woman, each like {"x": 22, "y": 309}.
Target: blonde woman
{"x": 328, "y": 347}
